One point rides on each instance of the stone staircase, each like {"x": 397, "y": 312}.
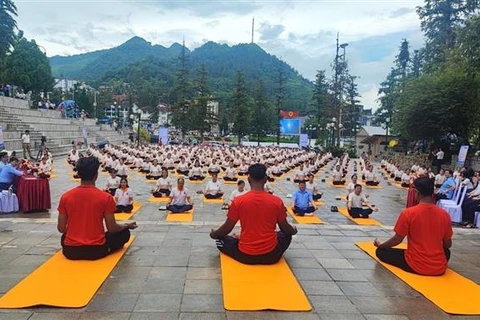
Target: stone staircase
{"x": 16, "y": 116}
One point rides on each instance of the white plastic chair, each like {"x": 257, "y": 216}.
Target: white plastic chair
{"x": 455, "y": 211}
{"x": 476, "y": 220}
{"x": 456, "y": 194}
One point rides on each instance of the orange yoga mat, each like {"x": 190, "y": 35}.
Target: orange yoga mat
{"x": 319, "y": 203}
{"x": 195, "y": 181}
{"x": 359, "y": 221}
{"x": 371, "y": 187}
{"x": 180, "y": 217}
{"x": 213, "y": 200}
{"x": 127, "y": 216}
{"x": 163, "y": 199}
{"x": 451, "y": 292}
{"x": 60, "y": 282}
{"x": 261, "y": 287}
{"x": 229, "y": 182}
{"x": 305, "y": 219}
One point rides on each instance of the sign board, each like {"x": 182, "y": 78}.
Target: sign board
{"x": 2, "y": 142}
{"x": 303, "y": 141}
{"x": 462, "y": 155}
{"x": 290, "y": 126}
{"x": 163, "y": 135}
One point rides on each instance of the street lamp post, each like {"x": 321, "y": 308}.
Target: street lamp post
{"x": 139, "y": 115}
{"x": 387, "y": 123}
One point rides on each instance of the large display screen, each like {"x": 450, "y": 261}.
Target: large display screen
{"x": 290, "y": 126}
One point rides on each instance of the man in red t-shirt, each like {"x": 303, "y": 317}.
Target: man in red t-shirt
{"x": 429, "y": 232}
{"x": 259, "y": 213}
{"x": 81, "y": 213}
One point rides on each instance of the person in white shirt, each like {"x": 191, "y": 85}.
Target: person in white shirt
{"x": 313, "y": 188}
{"x": 113, "y": 182}
{"x": 182, "y": 167}
{"x": 243, "y": 169}
{"x": 236, "y": 193}
{"x": 214, "y": 167}
{"x": 180, "y": 200}
{"x": 352, "y": 184}
{"x": 122, "y": 169}
{"x": 155, "y": 171}
{"x": 26, "y": 145}
{"x": 44, "y": 168}
{"x": 356, "y": 200}
{"x": 439, "y": 159}
{"x": 406, "y": 178}
{"x": 169, "y": 163}
{"x": 124, "y": 197}
{"x": 145, "y": 167}
{"x": 440, "y": 178}
{"x": 300, "y": 175}
{"x": 337, "y": 176}
{"x": 213, "y": 189}
{"x": 230, "y": 172}
{"x": 370, "y": 178}
{"x": 163, "y": 185}
{"x": 196, "y": 173}
{"x": 73, "y": 157}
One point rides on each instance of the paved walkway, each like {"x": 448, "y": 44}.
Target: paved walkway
{"x": 172, "y": 271}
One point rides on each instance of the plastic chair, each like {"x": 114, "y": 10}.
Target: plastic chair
{"x": 456, "y": 194}
{"x": 477, "y": 219}
{"x": 455, "y": 211}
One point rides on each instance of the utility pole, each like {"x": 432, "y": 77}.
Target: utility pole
{"x": 253, "y": 29}
{"x": 339, "y": 69}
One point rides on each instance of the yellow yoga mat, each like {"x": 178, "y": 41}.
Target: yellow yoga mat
{"x": 359, "y": 221}
{"x": 261, "y": 287}
{"x": 195, "y": 181}
{"x": 60, "y": 282}
{"x": 371, "y": 187}
{"x": 151, "y": 180}
{"x": 451, "y": 292}
{"x": 127, "y": 216}
{"x": 75, "y": 180}
{"x": 319, "y": 203}
{"x": 213, "y": 200}
{"x": 180, "y": 217}
{"x": 163, "y": 199}
{"x": 230, "y": 182}
{"x": 340, "y": 186}
{"x": 305, "y": 219}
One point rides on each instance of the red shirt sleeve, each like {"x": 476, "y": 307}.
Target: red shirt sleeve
{"x": 110, "y": 206}
{"x": 282, "y": 213}
{"x": 233, "y": 213}
{"x": 61, "y": 206}
{"x": 402, "y": 225}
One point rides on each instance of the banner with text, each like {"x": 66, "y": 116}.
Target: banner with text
{"x": 163, "y": 135}
{"x": 462, "y": 155}
{"x": 303, "y": 141}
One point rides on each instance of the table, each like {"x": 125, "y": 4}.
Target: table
{"x": 33, "y": 194}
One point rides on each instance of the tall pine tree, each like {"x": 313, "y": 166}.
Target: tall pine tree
{"x": 181, "y": 94}
{"x": 240, "y": 107}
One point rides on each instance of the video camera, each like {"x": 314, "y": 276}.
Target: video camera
{"x": 43, "y": 139}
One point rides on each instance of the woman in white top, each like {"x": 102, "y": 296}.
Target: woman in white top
{"x": 155, "y": 171}
{"x": 182, "y": 167}
{"x": 230, "y": 173}
{"x": 145, "y": 166}
{"x": 276, "y": 171}
{"x": 180, "y": 200}
{"x": 122, "y": 169}
{"x": 337, "y": 176}
{"x": 197, "y": 172}
{"x": 213, "y": 189}
{"x": 163, "y": 186}
{"x": 351, "y": 185}
{"x": 243, "y": 169}
{"x": 44, "y": 168}
{"x": 313, "y": 188}
{"x": 406, "y": 178}
{"x": 113, "y": 182}
{"x": 124, "y": 197}
{"x": 370, "y": 178}
{"x": 214, "y": 167}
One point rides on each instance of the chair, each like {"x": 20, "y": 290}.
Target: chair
{"x": 476, "y": 220}
{"x": 455, "y": 210}
{"x": 8, "y": 202}
{"x": 456, "y": 194}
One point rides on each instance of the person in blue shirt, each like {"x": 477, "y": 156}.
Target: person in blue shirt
{"x": 448, "y": 187}
{"x": 3, "y": 159}
{"x": 303, "y": 201}
{"x": 8, "y": 174}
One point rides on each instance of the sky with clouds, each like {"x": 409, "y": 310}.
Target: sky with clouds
{"x": 300, "y": 32}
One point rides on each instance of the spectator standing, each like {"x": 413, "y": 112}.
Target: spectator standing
{"x": 26, "y": 144}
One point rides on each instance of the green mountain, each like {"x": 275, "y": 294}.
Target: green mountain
{"x": 141, "y": 64}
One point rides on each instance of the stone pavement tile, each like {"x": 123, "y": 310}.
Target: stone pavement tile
{"x": 345, "y": 245}
{"x": 113, "y": 302}
{"x": 172, "y": 251}
{"x": 178, "y": 260}
{"x": 377, "y": 305}
{"x": 311, "y": 274}
{"x": 385, "y": 317}
{"x": 128, "y": 272}
{"x": 7, "y": 283}
{"x": 144, "y": 250}
{"x": 379, "y": 274}
{"x": 168, "y": 273}
{"x": 271, "y": 315}
{"x": 332, "y": 263}
{"x": 177, "y": 243}
{"x": 203, "y": 316}
{"x": 320, "y": 244}
{"x": 13, "y": 249}
{"x": 203, "y": 273}
{"x": 341, "y": 316}
{"x": 400, "y": 289}
{"x": 163, "y": 286}
{"x": 105, "y": 316}
{"x": 154, "y": 316}
{"x": 320, "y": 254}
{"x": 39, "y": 250}
{"x": 202, "y": 303}
{"x": 158, "y": 302}
{"x": 422, "y": 306}
{"x": 15, "y": 315}
{"x": 333, "y": 304}
{"x": 359, "y": 289}
{"x": 355, "y": 254}
{"x": 363, "y": 263}
{"x": 137, "y": 260}
{"x": 205, "y": 260}
{"x": 298, "y": 253}
{"x": 53, "y": 316}
{"x": 203, "y": 286}
{"x": 7, "y": 258}
{"x": 26, "y": 260}
{"x": 346, "y": 275}
{"x": 128, "y": 284}
{"x": 303, "y": 263}
{"x": 321, "y": 288}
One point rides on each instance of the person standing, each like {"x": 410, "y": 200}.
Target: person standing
{"x": 259, "y": 213}
{"x": 439, "y": 159}
{"x": 429, "y": 232}
{"x": 82, "y": 213}
{"x": 26, "y": 145}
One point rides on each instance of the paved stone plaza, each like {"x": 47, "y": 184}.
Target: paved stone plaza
{"x": 172, "y": 271}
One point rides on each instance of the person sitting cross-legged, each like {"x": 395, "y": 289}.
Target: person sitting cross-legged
{"x": 213, "y": 189}
{"x": 44, "y": 168}
{"x": 230, "y": 172}
{"x": 312, "y": 186}
{"x": 370, "y": 178}
{"x": 182, "y": 167}
{"x": 113, "y": 182}
{"x": 337, "y": 176}
{"x": 303, "y": 201}
{"x": 196, "y": 174}
{"x": 163, "y": 185}
{"x": 180, "y": 200}
{"x": 82, "y": 214}
{"x": 124, "y": 197}
{"x": 356, "y": 200}
{"x": 259, "y": 213}
{"x": 235, "y": 193}
{"x": 428, "y": 229}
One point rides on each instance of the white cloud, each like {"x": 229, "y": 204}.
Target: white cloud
{"x": 300, "y": 32}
